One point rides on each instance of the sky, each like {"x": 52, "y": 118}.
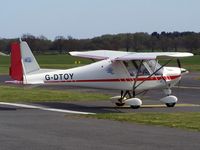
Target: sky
{"x": 90, "y": 18}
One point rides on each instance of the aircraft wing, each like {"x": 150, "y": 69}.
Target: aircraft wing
{"x": 100, "y": 54}
{"x": 119, "y": 55}
{"x": 154, "y": 55}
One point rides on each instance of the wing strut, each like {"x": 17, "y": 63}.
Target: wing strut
{"x": 134, "y": 87}
{"x": 137, "y": 77}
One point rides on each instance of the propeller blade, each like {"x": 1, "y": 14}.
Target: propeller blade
{"x": 179, "y": 63}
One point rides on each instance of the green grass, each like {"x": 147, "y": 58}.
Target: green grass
{"x": 183, "y": 120}
{"x": 48, "y": 61}
{"x": 4, "y": 69}
{"x": 23, "y": 94}
{"x": 189, "y": 63}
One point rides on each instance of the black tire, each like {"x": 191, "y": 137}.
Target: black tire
{"x": 170, "y": 104}
{"x": 119, "y": 104}
{"x": 135, "y": 106}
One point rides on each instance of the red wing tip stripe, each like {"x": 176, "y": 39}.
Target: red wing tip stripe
{"x": 118, "y": 80}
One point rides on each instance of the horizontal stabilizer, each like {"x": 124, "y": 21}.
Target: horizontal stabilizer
{"x": 2, "y": 54}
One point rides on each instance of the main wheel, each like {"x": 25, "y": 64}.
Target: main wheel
{"x": 135, "y": 106}
{"x": 119, "y": 104}
{"x": 170, "y": 104}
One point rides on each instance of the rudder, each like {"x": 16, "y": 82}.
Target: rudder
{"x": 16, "y": 69}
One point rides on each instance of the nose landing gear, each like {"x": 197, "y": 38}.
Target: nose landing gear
{"x": 169, "y": 100}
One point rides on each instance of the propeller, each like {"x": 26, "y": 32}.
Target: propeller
{"x": 179, "y": 63}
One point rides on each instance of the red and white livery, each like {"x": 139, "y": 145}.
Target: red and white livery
{"x": 129, "y": 72}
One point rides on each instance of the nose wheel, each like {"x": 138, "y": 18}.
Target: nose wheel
{"x": 170, "y": 104}
{"x": 170, "y": 101}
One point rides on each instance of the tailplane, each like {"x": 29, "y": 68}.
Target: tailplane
{"x": 22, "y": 61}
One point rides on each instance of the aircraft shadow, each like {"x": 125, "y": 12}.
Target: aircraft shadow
{"x": 7, "y": 109}
{"x": 79, "y": 107}
{"x": 92, "y": 108}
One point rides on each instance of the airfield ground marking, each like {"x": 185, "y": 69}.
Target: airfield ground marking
{"x": 45, "y": 108}
{"x": 177, "y": 105}
{"x": 163, "y": 105}
{"x": 86, "y": 113}
{"x": 185, "y": 87}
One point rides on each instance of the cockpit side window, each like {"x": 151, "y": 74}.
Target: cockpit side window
{"x": 154, "y": 66}
{"x": 133, "y": 67}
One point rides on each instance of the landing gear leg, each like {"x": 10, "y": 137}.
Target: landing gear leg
{"x": 133, "y": 102}
{"x": 121, "y": 100}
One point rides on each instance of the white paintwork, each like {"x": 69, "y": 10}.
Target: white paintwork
{"x": 100, "y": 54}
{"x": 154, "y": 55}
{"x": 106, "y": 73}
{"x": 169, "y": 99}
{"x": 133, "y": 102}
{"x": 29, "y": 62}
{"x": 111, "y": 72}
{"x": 118, "y": 55}
{"x": 99, "y": 73}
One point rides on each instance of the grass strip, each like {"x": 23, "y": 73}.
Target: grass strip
{"x": 182, "y": 120}
{"x": 23, "y": 94}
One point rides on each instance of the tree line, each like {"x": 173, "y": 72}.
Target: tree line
{"x": 140, "y": 41}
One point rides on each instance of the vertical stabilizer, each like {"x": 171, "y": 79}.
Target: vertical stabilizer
{"x": 22, "y": 61}
{"x": 28, "y": 60}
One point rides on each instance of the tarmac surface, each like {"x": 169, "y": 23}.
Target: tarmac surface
{"x": 39, "y": 129}
{"x": 33, "y": 129}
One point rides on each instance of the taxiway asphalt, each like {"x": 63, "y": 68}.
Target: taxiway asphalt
{"x": 35, "y": 129}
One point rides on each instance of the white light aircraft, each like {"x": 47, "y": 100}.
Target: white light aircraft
{"x": 129, "y": 72}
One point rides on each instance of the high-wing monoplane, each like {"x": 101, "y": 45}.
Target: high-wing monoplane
{"x": 130, "y": 73}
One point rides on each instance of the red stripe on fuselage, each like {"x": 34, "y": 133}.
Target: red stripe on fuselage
{"x": 119, "y": 80}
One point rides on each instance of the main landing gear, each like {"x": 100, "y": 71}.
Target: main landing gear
{"x": 133, "y": 102}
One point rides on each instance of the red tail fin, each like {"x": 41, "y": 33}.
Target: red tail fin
{"x": 16, "y": 70}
